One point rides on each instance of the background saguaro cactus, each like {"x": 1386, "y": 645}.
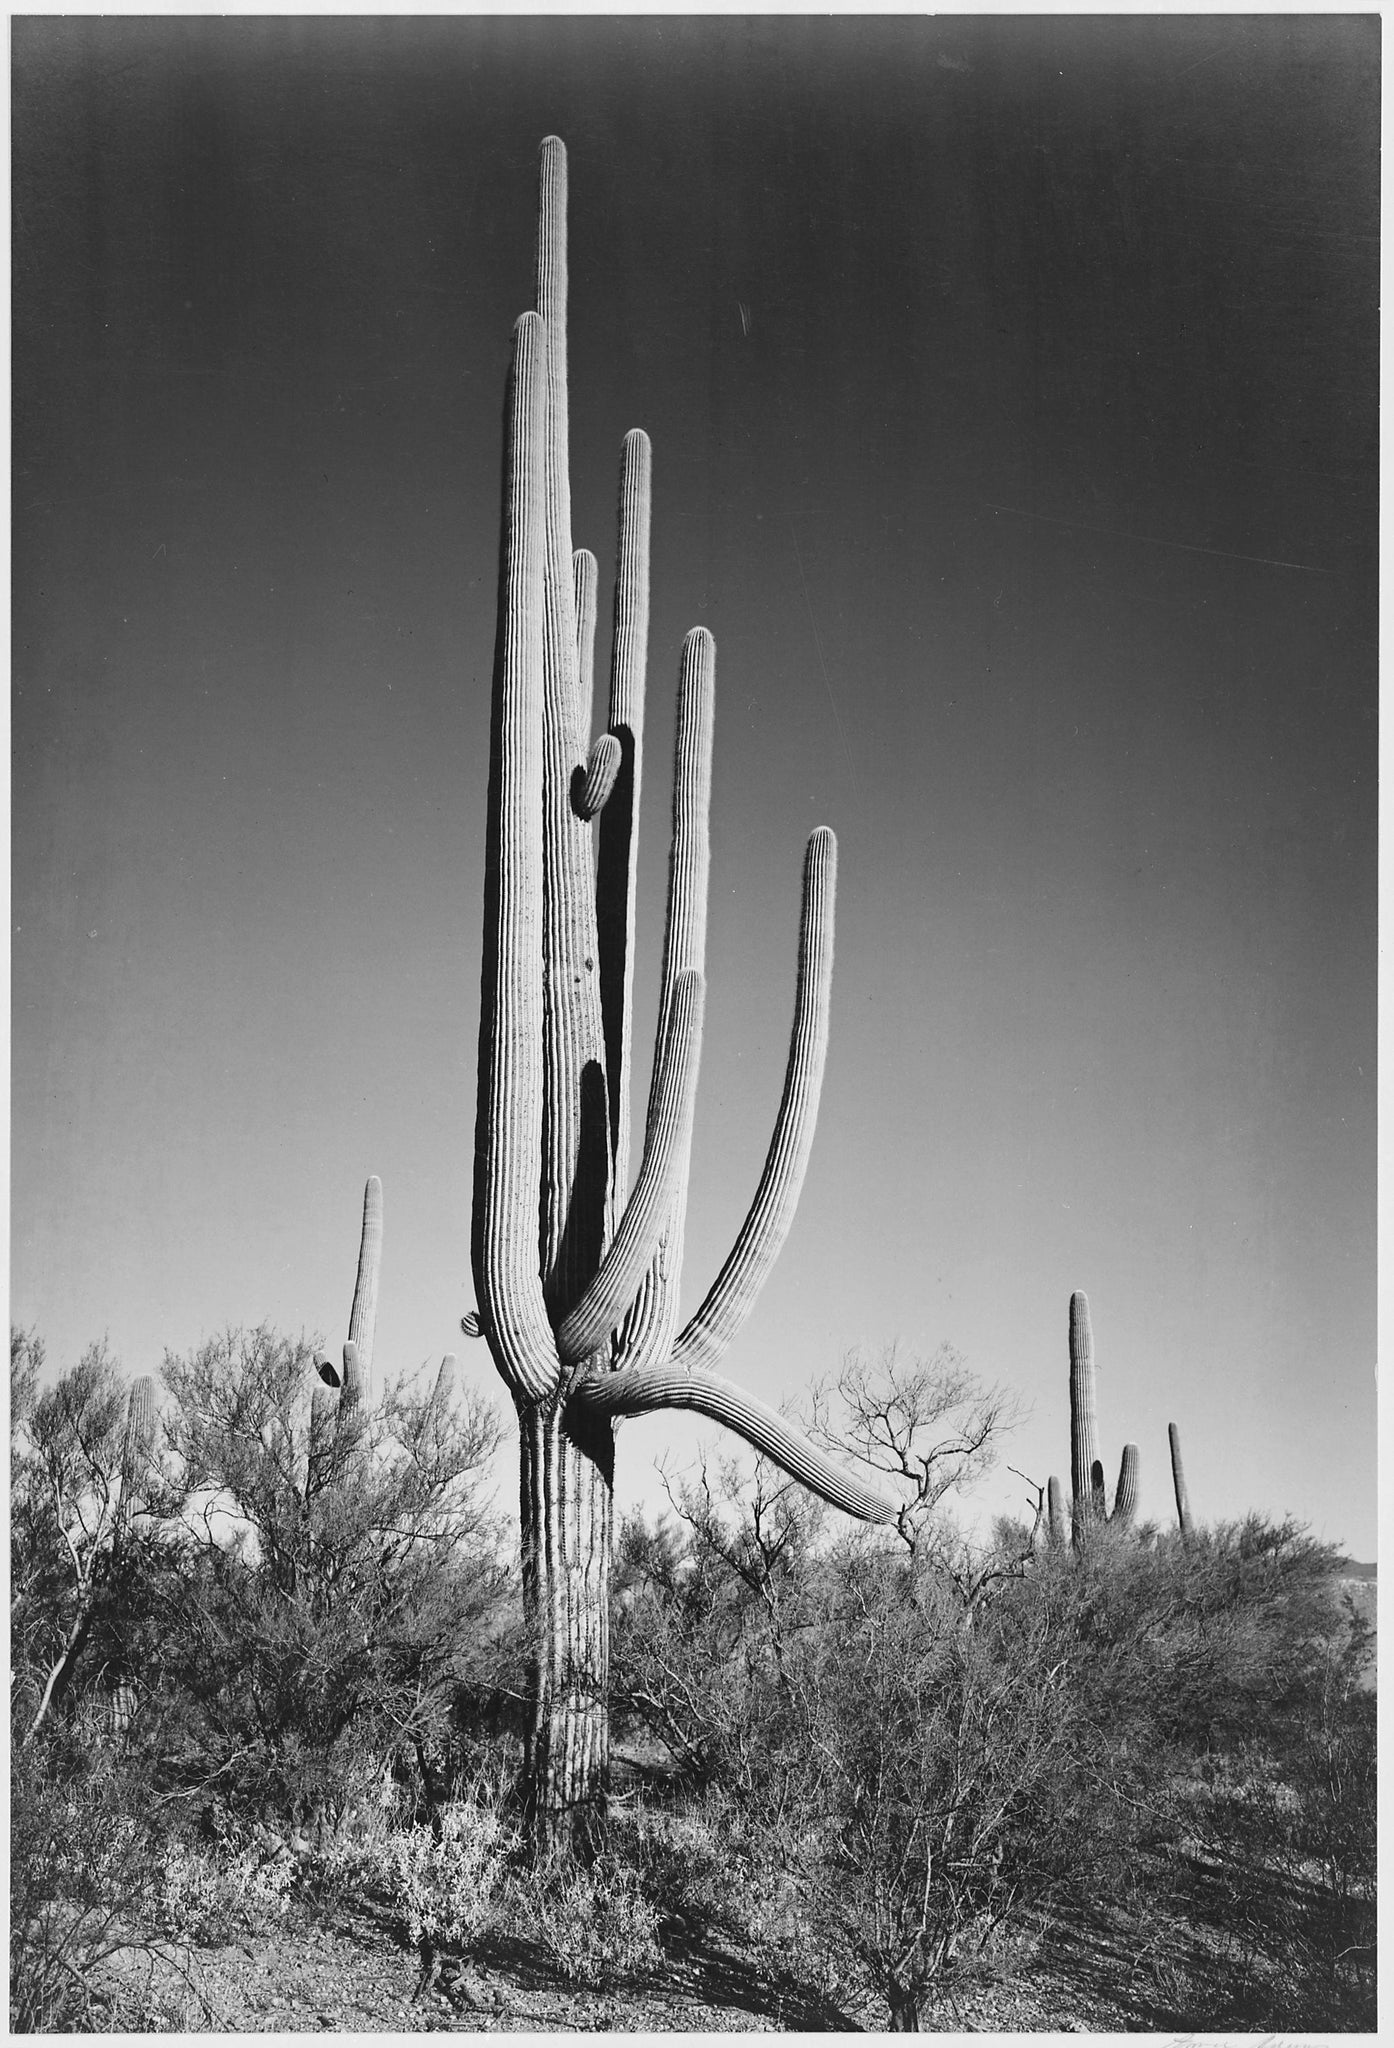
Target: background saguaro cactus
{"x": 1089, "y": 1505}
{"x": 577, "y": 1285}
{"x": 353, "y": 1376}
{"x": 1178, "y": 1481}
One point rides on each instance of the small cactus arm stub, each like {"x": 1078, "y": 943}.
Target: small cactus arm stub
{"x": 576, "y": 1271}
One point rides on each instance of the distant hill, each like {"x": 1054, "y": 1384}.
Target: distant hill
{"x": 1349, "y": 1569}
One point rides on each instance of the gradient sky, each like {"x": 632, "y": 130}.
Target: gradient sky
{"x": 1035, "y": 517}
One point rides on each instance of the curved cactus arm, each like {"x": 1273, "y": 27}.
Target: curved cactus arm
{"x": 647, "y": 1335}
{"x": 508, "y": 1123}
{"x": 363, "y": 1318}
{"x": 1178, "y": 1480}
{"x": 734, "y": 1292}
{"x": 604, "y": 1302}
{"x": 1098, "y": 1495}
{"x": 617, "y": 854}
{"x": 326, "y": 1368}
{"x": 1125, "y": 1499}
{"x": 655, "y": 1387}
{"x": 584, "y": 577}
{"x": 1055, "y": 1495}
{"x": 1084, "y": 1419}
{"x": 593, "y": 785}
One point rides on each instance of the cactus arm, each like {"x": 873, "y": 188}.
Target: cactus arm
{"x": 575, "y": 1155}
{"x": 648, "y": 1331}
{"x": 649, "y": 1388}
{"x": 1055, "y": 1495}
{"x": 603, "y": 1304}
{"x": 1084, "y": 1421}
{"x": 617, "y": 856}
{"x": 584, "y": 576}
{"x": 736, "y": 1287}
{"x": 593, "y": 785}
{"x": 351, "y": 1393}
{"x": 363, "y": 1318}
{"x": 1125, "y": 1499}
{"x": 508, "y": 1126}
{"x": 1178, "y": 1481}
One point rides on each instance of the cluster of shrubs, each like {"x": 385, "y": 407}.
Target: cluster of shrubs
{"x": 271, "y": 1673}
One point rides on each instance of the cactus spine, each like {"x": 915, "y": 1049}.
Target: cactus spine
{"x": 1178, "y": 1480}
{"x": 1089, "y": 1502}
{"x": 576, "y": 1275}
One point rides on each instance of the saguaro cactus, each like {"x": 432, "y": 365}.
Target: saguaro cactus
{"x": 1178, "y": 1481}
{"x": 140, "y": 1435}
{"x": 363, "y": 1316}
{"x": 575, "y": 1273}
{"x": 1089, "y": 1505}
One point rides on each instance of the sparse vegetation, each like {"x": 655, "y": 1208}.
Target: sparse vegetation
{"x": 882, "y": 1775}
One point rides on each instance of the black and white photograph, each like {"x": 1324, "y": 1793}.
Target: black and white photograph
{"x": 693, "y": 1268}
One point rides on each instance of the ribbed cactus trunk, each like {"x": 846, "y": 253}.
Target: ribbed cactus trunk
{"x": 1086, "y": 1482}
{"x": 576, "y": 1271}
{"x": 1178, "y": 1481}
{"x": 567, "y": 1522}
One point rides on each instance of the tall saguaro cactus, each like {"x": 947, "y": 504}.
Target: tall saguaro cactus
{"x": 1089, "y": 1505}
{"x": 576, "y": 1273}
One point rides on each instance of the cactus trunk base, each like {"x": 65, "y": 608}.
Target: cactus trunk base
{"x": 567, "y": 1519}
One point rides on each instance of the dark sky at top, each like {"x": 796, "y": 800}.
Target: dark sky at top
{"x": 1013, "y": 390}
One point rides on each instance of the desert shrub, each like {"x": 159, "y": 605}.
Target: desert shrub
{"x": 442, "y": 1880}
{"x": 82, "y": 1540}
{"x": 84, "y": 1866}
{"x": 1285, "y": 1822}
{"x": 203, "y": 1894}
{"x": 339, "y": 1579}
{"x": 923, "y": 1740}
{"x": 593, "y": 1923}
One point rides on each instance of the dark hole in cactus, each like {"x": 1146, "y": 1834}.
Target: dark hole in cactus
{"x": 611, "y": 893}
{"x": 582, "y": 1239}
